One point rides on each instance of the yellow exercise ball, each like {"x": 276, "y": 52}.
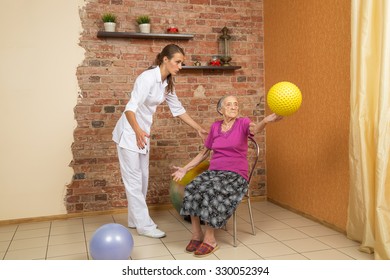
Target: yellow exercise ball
{"x": 284, "y": 98}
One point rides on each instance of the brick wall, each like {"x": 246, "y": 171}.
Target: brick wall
{"x": 108, "y": 72}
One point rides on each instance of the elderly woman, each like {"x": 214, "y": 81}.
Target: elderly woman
{"x": 214, "y": 195}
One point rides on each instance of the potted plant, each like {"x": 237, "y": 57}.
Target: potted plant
{"x": 144, "y": 23}
{"x": 109, "y": 20}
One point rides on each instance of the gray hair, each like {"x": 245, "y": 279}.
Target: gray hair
{"x": 219, "y": 104}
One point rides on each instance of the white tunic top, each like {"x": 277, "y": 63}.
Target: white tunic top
{"x": 148, "y": 92}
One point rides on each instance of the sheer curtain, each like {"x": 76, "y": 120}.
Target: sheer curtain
{"x": 369, "y": 155}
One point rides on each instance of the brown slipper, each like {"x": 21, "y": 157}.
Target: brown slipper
{"x": 193, "y": 245}
{"x": 204, "y": 250}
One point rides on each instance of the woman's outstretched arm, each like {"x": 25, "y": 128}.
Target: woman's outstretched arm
{"x": 258, "y": 127}
{"x": 181, "y": 171}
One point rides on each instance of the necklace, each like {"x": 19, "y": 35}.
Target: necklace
{"x": 227, "y": 126}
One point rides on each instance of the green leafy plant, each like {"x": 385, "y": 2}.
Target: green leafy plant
{"x": 108, "y": 17}
{"x": 143, "y": 19}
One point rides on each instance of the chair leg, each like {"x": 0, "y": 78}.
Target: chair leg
{"x": 235, "y": 229}
{"x": 251, "y": 216}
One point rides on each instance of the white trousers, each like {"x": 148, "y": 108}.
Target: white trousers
{"x": 135, "y": 175}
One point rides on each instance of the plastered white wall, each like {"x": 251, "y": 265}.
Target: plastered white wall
{"x": 39, "y": 56}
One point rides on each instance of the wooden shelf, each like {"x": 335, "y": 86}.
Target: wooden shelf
{"x": 136, "y": 35}
{"x": 172, "y": 36}
{"x": 211, "y": 67}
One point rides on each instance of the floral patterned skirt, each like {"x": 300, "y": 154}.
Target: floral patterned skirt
{"x": 213, "y": 196}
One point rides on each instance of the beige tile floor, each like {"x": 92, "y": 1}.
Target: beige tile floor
{"x": 280, "y": 235}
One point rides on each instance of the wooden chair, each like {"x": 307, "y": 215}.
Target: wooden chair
{"x": 252, "y": 165}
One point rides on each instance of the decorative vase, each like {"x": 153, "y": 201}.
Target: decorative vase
{"x": 144, "y": 27}
{"x": 109, "y": 26}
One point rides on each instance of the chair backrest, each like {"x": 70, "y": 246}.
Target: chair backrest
{"x": 252, "y": 159}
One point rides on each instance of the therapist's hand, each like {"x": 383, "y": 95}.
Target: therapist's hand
{"x": 141, "y": 138}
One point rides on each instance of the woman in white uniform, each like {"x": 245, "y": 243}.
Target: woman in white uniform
{"x": 132, "y": 132}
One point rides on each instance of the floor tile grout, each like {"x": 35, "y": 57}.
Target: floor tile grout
{"x": 277, "y": 230}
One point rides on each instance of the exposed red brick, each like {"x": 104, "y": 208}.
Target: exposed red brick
{"x": 108, "y": 73}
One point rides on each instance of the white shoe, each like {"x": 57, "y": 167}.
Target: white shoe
{"x": 154, "y": 233}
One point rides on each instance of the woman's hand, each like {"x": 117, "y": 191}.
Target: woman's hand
{"x": 188, "y": 120}
{"x": 203, "y": 133}
{"x": 258, "y": 127}
{"x": 179, "y": 173}
{"x": 141, "y": 138}
{"x": 273, "y": 118}
{"x": 140, "y": 135}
